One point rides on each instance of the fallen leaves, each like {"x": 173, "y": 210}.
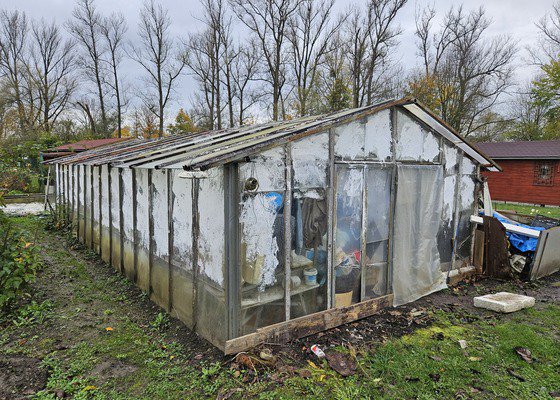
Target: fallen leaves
{"x": 109, "y": 329}
{"x": 344, "y": 364}
{"x": 524, "y": 353}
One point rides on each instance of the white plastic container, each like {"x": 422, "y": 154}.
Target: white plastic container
{"x": 310, "y": 275}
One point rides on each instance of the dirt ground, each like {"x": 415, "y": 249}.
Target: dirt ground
{"x": 90, "y": 297}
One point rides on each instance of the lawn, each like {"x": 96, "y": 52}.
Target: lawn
{"x": 553, "y": 212}
{"x": 87, "y": 333}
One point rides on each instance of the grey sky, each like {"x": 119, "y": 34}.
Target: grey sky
{"x": 510, "y": 17}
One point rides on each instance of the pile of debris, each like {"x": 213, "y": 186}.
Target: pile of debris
{"x": 508, "y": 244}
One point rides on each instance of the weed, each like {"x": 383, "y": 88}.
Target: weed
{"x": 33, "y": 313}
{"x": 160, "y": 322}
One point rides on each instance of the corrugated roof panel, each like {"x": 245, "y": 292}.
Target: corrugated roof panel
{"x": 206, "y": 149}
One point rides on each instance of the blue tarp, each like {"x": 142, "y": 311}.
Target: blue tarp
{"x": 520, "y": 242}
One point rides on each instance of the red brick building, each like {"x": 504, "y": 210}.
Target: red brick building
{"x": 531, "y": 171}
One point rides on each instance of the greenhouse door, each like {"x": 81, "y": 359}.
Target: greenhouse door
{"x": 361, "y": 237}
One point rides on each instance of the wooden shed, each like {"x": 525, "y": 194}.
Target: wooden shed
{"x": 279, "y": 230}
{"x": 531, "y": 171}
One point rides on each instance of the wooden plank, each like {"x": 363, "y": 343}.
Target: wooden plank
{"x": 511, "y": 228}
{"x": 308, "y": 325}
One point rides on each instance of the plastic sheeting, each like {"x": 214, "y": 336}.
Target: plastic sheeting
{"x": 520, "y": 242}
{"x": 416, "y": 262}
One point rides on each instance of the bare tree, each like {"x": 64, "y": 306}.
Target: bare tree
{"x": 160, "y": 56}
{"x": 203, "y": 65}
{"x": 244, "y": 71}
{"x": 268, "y": 21}
{"x": 86, "y": 28}
{"x": 113, "y": 30}
{"x": 51, "y": 69}
{"x": 464, "y": 74}
{"x": 370, "y": 36}
{"x": 549, "y": 40}
{"x": 310, "y": 33}
{"x": 14, "y": 31}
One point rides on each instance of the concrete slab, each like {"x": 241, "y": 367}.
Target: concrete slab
{"x": 504, "y": 302}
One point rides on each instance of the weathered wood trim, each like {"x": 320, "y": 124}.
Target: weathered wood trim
{"x": 195, "y": 234}
{"x": 135, "y": 233}
{"x": 233, "y": 272}
{"x": 92, "y": 213}
{"x": 110, "y": 211}
{"x": 288, "y": 231}
{"x": 170, "y": 237}
{"x": 121, "y": 221}
{"x": 100, "y": 206}
{"x": 151, "y": 238}
{"x": 308, "y": 325}
{"x": 330, "y": 222}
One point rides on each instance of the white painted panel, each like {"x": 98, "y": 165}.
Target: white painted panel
{"x": 182, "y": 219}
{"x": 451, "y": 156}
{"x": 212, "y": 239}
{"x": 115, "y": 206}
{"x": 414, "y": 143}
{"x": 160, "y": 210}
{"x": 469, "y": 167}
{"x": 105, "y": 196}
{"x": 257, "y": 218}
{"x": 75, "y": 187}
{"x": 349, "y": 140}
{"x": 267, "y": 167}
{"x": 142, "y": 208}
{"x": 80, "y": 194}
{"x": 448, "y": 197}
{"x": 378, "y": 136}
{"x": 310, "y": 159}
{"x": 95, "y": 194}
{"x": 127, "y": 207}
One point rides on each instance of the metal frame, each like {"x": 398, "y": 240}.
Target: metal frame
{"x": 288, "y": 178}
{"x": 233, "y": 273}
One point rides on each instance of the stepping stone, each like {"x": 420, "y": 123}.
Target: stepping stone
{"x": 504, "y": 302}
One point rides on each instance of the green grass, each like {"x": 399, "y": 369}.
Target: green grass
{"x": 553, "y": 212}
{"x": 427, "y": 364}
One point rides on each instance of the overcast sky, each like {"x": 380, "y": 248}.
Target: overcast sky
{"x": 510, "y": 17}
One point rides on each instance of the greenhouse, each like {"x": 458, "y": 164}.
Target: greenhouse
{"x": 274, "y": 231}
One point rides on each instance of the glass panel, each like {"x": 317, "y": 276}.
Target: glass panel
{"x": 261, "y": 256}
{"x": 309, "y": 252}
{"x": 348, "y": 239}
{"x": 378, "y": 183}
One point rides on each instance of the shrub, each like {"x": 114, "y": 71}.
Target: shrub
{"x": 19, "y": 263}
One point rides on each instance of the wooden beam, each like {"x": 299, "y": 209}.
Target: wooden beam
{"x": 511, "y": 228}
{"x": 308, "y": 325}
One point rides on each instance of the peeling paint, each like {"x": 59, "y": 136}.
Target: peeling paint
{"x": 448, "y": 197}
{"x": 469, "y": 168}
{"x": 267, "y": 167}
{"x": 258, "y": 214}
{"x": 349, "y": 142}
{"x": 182, "y": 221}
{"x": 414, "y": 143}
{"x": 142, "y": 208}
{"x": 105, "y": 197}
{"x": 159, "y": 207}
{"x": 451, "y": 156}
{"x": 212, "y": 225}
{"x": 378, "y": 136}
{"x": 115, "y": 206}
{"x": 467, "y": 192}
{"x": 310, "y": 158}
{"x": 127, "y": 207}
